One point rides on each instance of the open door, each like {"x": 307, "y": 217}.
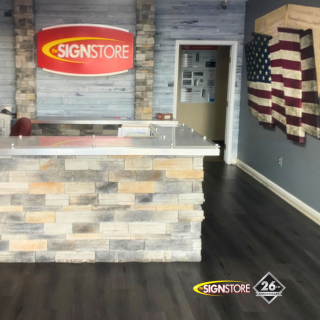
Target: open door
{"x": 205, "y": 75}
{"x": 202, "y": 90}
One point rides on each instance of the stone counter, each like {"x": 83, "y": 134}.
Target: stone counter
{"x": 75, "y": 209}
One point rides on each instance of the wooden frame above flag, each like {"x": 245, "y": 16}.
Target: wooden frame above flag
{"x": 296, "y": 17}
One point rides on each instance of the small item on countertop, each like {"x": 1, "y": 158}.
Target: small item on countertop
{"x": 8, "y": 112}
{"x": 165, "y": 116}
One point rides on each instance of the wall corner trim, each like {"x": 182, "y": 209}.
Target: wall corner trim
{"x": 285, "y": 195}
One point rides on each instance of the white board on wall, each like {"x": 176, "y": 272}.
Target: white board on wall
{"x": 198, "y": 74}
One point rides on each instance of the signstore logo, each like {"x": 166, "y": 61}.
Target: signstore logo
{"x": 268, "y": 288}
{"x": 222, "y": 288}
{"x": 85, "y": 50}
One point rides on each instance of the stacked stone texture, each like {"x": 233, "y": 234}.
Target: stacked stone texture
{"x": 74, "y": 130}
{"x": 25, "y": 58}
{"x": 144, "y": 59}
{"x": 100, "y": 209}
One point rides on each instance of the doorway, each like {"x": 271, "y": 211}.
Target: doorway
{"x": 204, "y": 89}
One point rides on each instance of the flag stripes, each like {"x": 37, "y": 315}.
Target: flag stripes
{"x": 259, "y": 81}
{"x": 282, "y": 82}
{"x": 310, "y": 115}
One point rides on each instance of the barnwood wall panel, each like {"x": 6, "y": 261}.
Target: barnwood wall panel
{"x": 7, "y": 67}
{"x": 194, "y": 20}
{"x": 112, "y": 96}
{"x": 88, "y": 96}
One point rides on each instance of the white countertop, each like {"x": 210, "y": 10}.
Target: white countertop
{"x": 178, "y": 140}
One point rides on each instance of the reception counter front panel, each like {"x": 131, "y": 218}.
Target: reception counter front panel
{"x": 102, "y": 199}
{"x": 100, "y": 208}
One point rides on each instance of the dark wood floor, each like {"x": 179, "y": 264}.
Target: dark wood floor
{"x": 248, "y": 231}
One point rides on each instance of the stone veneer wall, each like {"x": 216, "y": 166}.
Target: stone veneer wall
{"x": 74, "y": 130}
{"x": 100, "y": 208}
{"x": 25, "y": 62}
{"x": 144, "y": 59}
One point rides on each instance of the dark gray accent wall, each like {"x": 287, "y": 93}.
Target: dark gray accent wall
{"x": 7, "y": 68}
{"x": 260, "y": 148}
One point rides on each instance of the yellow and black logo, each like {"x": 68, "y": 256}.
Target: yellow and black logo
{"x": 222, "y": 288}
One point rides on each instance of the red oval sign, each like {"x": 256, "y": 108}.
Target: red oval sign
{"x": 85, "y": 50}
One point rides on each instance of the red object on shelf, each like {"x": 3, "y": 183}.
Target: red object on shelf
{"x": 21, "y": 128}
{"x": 165, "y": 116}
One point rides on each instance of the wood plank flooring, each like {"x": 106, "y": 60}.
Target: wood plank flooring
{"x": 248, "y": 231}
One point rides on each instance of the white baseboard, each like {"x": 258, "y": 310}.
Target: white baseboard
{"x": 234, "y": 162}
{"x": 285, "y": 195}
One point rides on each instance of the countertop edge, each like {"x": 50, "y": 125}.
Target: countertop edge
{"x": 110, "y": 151}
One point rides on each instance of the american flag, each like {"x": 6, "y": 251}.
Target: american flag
{"x": 259, "y": 79}
{"x": 295, "y": 103}
{"x": 288, "y": 98}
{"x": 310, "y": 94}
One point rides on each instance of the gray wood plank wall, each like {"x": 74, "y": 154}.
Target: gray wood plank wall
{"x": 75, "y": 96}
{"x": 194, "y": 20}
{"x": 114, "y": 95}
{"x": 7, "y": 68}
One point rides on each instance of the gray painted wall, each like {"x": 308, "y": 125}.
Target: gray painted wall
{"x": 194, "y": 20}
{"x": 7, "y": 70}
{"x": 260, "y": 148}
{"x": 99, "y": 96}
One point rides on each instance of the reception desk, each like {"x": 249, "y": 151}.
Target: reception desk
{"x": 103, "y": 199}
{"x": 79, "y": 126}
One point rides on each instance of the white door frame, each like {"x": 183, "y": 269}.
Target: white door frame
{"x": 231, "y": 87}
